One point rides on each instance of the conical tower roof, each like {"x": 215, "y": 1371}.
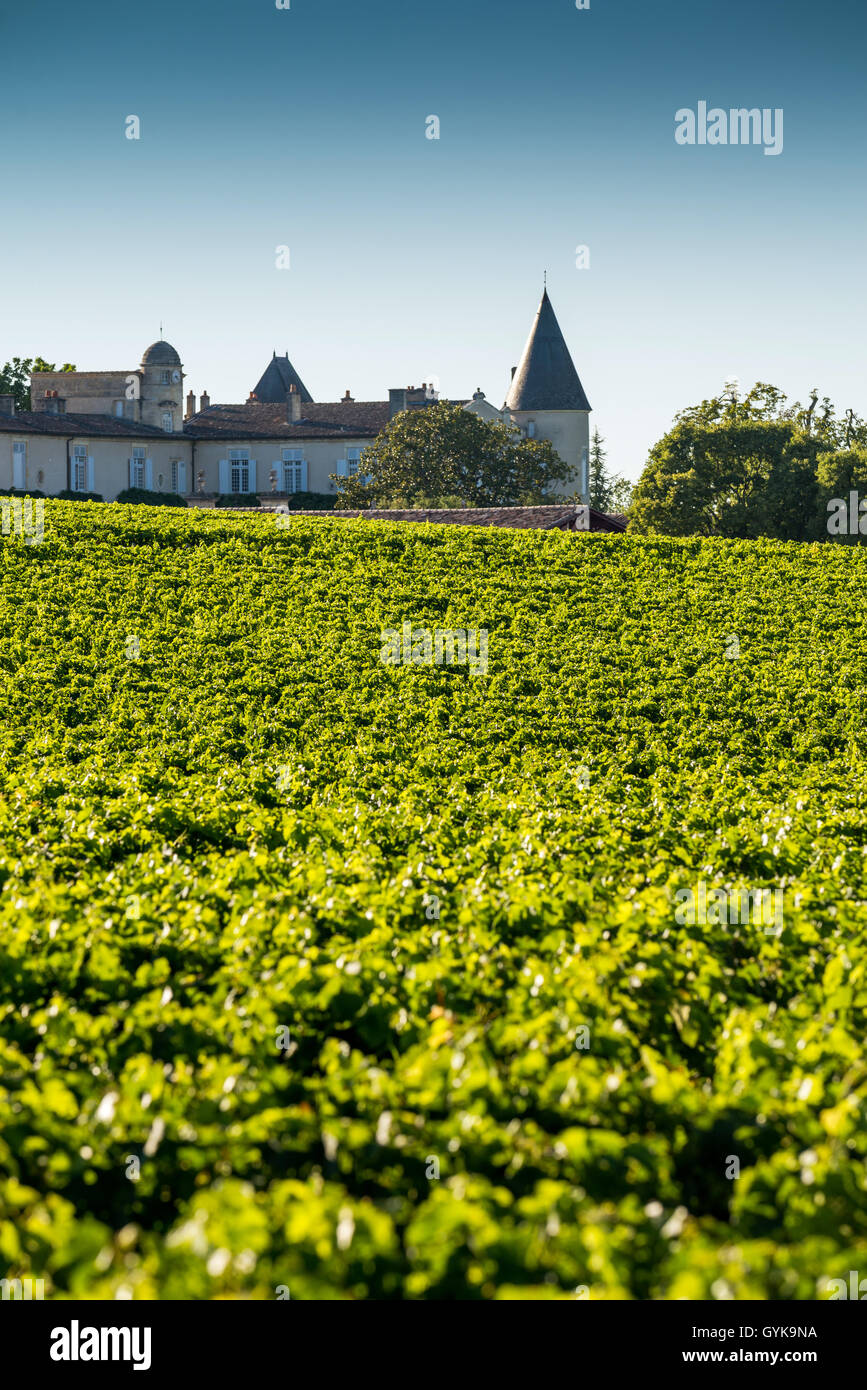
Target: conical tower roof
{"x": 546, "y": 378}
{"x": 274, "y": 383}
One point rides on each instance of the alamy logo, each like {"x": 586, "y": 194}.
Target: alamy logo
{"x": 739, "y": 126}
{"x": 444, "y": 646}
{"x": 847, "y": 518}
{"x": 856, "y": 1284}
{"x": 102, "y": 1344}
{"x": 24, "y": 1289}
{"x": 22, "y": 517}
{"x": 763, "y": 907}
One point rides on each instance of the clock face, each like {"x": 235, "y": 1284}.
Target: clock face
{"x": 176, "y": 376}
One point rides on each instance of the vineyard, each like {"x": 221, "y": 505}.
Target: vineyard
{"x": 324, "y": 977}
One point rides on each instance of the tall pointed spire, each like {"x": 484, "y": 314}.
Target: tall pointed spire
{"x": 546, "y": 378}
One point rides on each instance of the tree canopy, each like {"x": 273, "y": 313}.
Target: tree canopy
{"x": 609, "y": 492}
{"x": 15, "y": 377}
{"x": 442, "y": 453}
{"x": 754, "y": 465}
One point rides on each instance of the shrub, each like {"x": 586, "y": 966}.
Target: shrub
{"x": 67, "y": 495}
{"x": 310, "y": 501}
{"x": 237, "y": 499}
{"x": 140, "y": 496}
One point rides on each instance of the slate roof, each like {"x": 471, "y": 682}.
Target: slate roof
{"x": 84, "y": 426}
{"x": 253, "y": 420}
{"x": 546, "y": 378}
{"x": 161, "y": 354}
{"x": 273, "y": 385}
{"x": 551, "y": 517}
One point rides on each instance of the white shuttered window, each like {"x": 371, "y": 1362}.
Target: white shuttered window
{"x": 137, "y": 465}
{"x": 241, "y": 471}
{"x": 19, "y": 465}
{"x": 78, "y": 468}
{"x": 294, "y": 471}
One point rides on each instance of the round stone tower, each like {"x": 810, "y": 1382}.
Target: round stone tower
{"x": 162, "y": 388}
{"x": 547, "y": 401}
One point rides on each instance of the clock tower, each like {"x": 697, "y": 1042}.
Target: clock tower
{"x": 162, "y": 388}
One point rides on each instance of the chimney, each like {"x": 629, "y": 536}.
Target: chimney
{"x": 191, "y": 404}
{"x": 347, "y": 397}
{"x": 205, "y": 402}
{"x": 293, "y": 404}
{"x": 7, "y": 405}
{"x": 396, "y": 402}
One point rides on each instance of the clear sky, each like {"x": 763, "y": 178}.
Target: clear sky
{"x": 412, "y": 258}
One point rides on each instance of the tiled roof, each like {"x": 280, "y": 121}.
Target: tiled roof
{"x": 551, "y": 517}
{"x": 255, "y": 420}
{"x": 95, "y": 426}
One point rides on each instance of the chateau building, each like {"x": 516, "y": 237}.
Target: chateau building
{"x": 103, "y": 432}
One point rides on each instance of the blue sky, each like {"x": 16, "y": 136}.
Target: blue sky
{"x": 413, "y": 258}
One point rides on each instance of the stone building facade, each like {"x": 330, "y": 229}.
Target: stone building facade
{"x": 103, "y": 432}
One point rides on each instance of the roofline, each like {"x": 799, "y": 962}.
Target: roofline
{"x": 148, "y": 433}
{"x": 550, "y": 410}
{"x": 323, "y": 432}
{"x": 567, "y": 511}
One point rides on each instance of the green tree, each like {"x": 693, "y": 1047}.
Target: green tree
{"x": 444, "y": 451}
{"x": 609, "y": 492}
{"x": 15, "y": 377}
{"x": 622, "y": 493}
{"x": 840, "y": 474}
{"x": 598, "y": 479}
{"x": 741, "y": 466}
